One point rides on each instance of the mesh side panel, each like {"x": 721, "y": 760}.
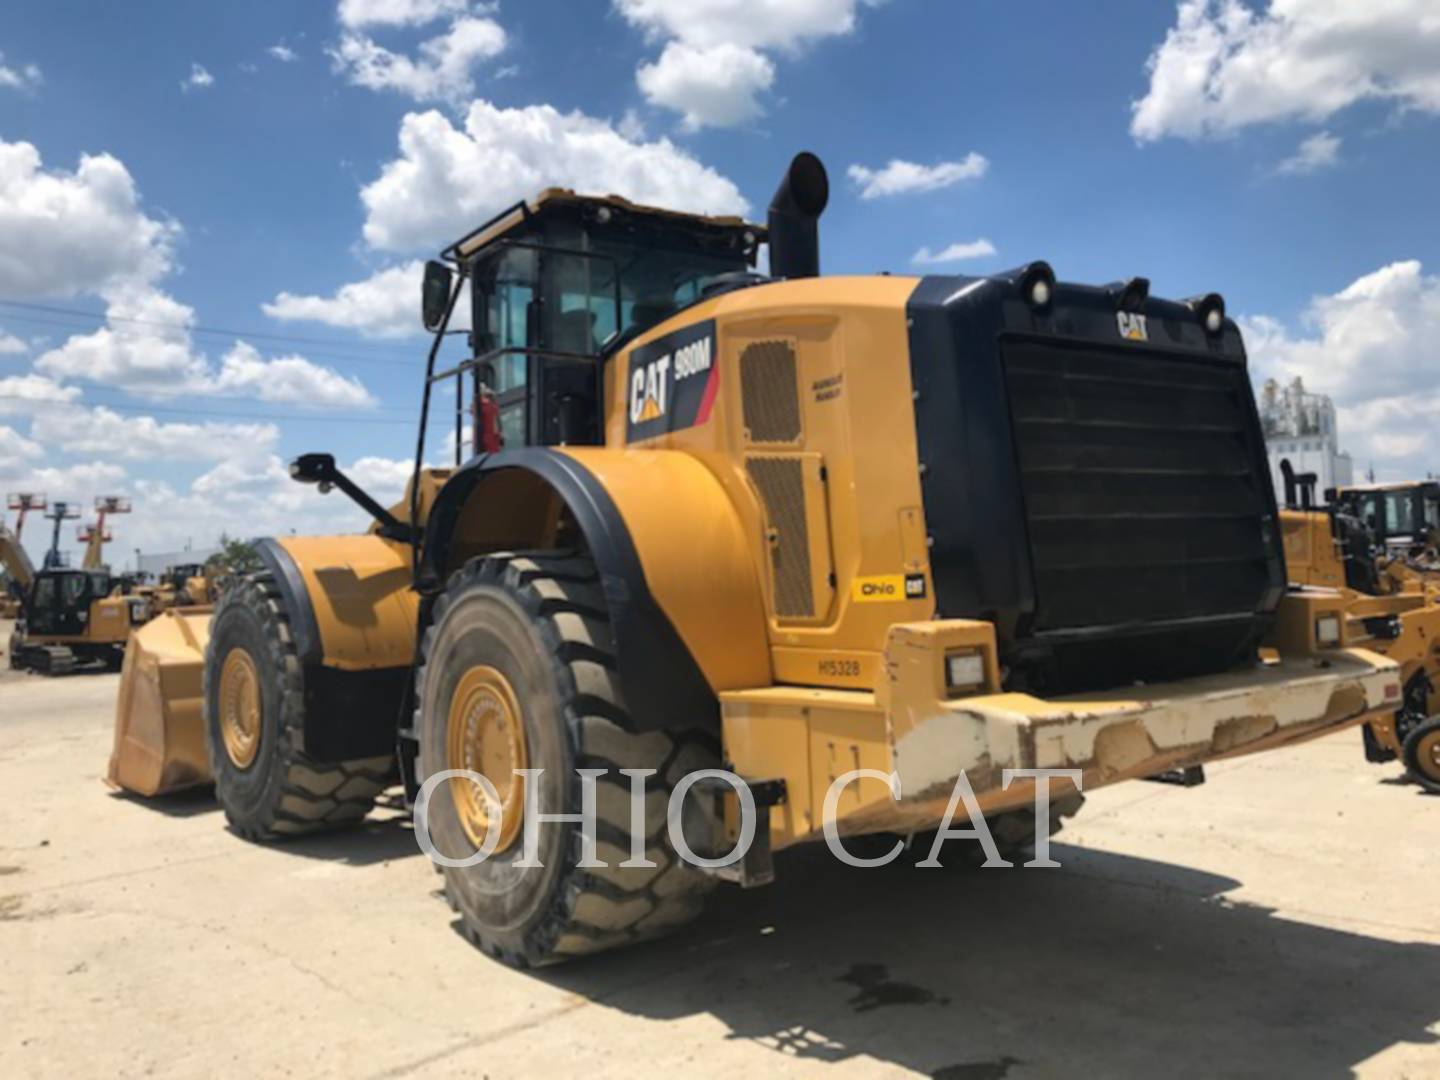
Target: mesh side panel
{"x": 781, "y": 484}
{"x": 769, "y": 392}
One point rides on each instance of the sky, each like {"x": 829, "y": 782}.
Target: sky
{"x": 213, "y": 216}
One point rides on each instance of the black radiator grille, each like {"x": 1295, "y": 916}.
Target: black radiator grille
{"x": 1142, "y": 496}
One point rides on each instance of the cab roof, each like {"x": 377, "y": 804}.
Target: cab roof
{"x": 553, "y": 201}
{"x": 1401, "y": 485}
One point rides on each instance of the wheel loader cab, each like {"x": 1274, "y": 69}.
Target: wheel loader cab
{"x": 560, "y": 282}
{"x": 1403, "y": 517}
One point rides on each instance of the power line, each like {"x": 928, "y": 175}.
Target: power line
{"x": 259, "y": 335}
{"x": 213, "y": 414}
{"x": 309, "y": 353}
{"x": 89, "y": 401}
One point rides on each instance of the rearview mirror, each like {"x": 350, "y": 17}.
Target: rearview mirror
{"x": 435, "y": 295}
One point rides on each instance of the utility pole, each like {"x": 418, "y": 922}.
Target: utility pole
{"x": 58, "y": 512}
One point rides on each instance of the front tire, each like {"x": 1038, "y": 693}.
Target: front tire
{"x": 530, "y": 635}
{"x": 254, "y": 706}
{"x": 1422, "y": 755}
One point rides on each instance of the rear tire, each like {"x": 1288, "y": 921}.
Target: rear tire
{"x": 540, "y": 621}
{"x": 1422, "y": 755}
{"x": 270, "y": 789}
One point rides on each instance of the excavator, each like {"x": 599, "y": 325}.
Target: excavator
{"x": 76, "y": 618}
{"x": 1391, "y": 607}
{"x": 874, "y": 544}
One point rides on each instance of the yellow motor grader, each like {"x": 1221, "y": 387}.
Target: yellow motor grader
{"x": 931, "y": 529}
{"x": 1389, "y": 612}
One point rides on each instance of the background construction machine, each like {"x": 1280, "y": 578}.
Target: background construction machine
{"x": 96, "y": 536}
{"x": 17, "y": 568}
{"x": 72, "y": 618}
{"x": 19, "y": 573}
{"x": 1391, "y": 607}
{"x": 936, "y": 528}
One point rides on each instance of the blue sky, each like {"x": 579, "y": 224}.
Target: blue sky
{"x": 255, "y": 168}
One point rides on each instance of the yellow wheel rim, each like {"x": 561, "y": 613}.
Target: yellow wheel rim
{"x": 1427, "y": 756}
{"x": 240, "y": 708}
{"x": 486, "y": 735}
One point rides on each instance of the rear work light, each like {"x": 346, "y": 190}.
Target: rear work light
{"x": 1327, "y": 631}
{"x": 1211, "y": 310}
{"x": 964, "y": 671}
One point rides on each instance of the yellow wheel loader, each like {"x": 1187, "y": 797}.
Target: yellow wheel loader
{"x": 1337, "y": 546}
{"x": 858, "y": 540}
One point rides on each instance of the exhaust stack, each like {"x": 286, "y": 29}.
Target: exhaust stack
{"x": 792, "y": 221}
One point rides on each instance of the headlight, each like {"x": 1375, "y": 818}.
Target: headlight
{"x": 964, "y": 670}
{"x": 1327, "y": 631}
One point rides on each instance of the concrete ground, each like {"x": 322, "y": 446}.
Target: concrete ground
{"x": 1281, "y": 920}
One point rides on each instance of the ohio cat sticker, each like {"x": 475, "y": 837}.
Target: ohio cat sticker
{"x": 672, "y": 382}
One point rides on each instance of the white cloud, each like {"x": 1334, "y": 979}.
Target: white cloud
{"x": 1225, "y": 65}
{"x": 10, "y": 345}
{"x": 79, "y": 482}
{"x": 712, "y": 69}
{"x": 906, "y": 177}
{"x": 68, "y": 233}
{"x": 357, "y": 13}
{"x": 1319, "y": 151}
{"x": 974, "y": 249}
{"x": 442, "y": 71}
{"x": 26, "y": 77}
{"x": 245, "y": 373}
{"x": 16, "y": 451}
{"x": 283, "y": 53}
{"x": 254, "y": 496}
{"x": 84, "y": 232}
{"x": 198, "y": 79}
{"x": 385, "y": 305}
{"x": 146, "y": 347}
{"x": 20, "y": 393}
{"x": 714, "y": 86}
{"x": 384, "y": 478}
{"x": 1372, "y": 347}
{"x": 781, "y": 24}
{"x": 81, "y": 430}
{"x": 448, "y": 180}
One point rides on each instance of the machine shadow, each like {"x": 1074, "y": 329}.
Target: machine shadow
{"x": 192, "y": 802}
{"x": 1113, "y": 965}
{"x": 385, "y": 836}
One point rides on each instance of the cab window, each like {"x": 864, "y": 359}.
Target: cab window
{"x": 1399, "y": 513}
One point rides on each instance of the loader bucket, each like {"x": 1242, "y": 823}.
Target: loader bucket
{"x": 159, "y": 731}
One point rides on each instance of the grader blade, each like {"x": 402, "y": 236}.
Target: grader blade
{"x": 159, "y": 732}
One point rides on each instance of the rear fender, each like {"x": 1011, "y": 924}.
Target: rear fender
{"x": 680, "y": 582}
